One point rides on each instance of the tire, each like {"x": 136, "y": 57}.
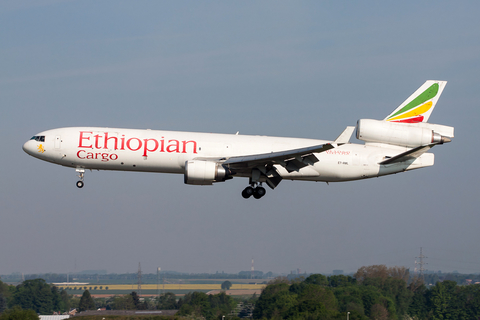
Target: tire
{"x": 259, "y": 192}
{"x": 247, "y": 192}
{"x": 79, "y": 184}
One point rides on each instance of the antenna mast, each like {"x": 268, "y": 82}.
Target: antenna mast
{"x": 158, "y": 281}
{"x": 139, "y": 280}
{"x": 253, "y": 270}
{"x": 420, "y": 269}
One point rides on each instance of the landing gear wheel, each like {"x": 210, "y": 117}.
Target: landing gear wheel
{"x": 259, "y": 192}
{"x": 247, "y": 192}
{"x": 81, "y": 173}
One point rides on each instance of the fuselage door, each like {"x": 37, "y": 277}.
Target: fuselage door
{"x": 58, "y": 140}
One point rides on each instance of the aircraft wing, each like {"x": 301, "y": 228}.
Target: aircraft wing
{"x": 261, "y": 166}
{"x": 408, "y": 155}
{"x": 292, "y": 160}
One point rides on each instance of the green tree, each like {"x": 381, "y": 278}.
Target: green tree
{"x": 318, "y": 279}
{"x": 340, "y": 281}
{"x": 136, "y": 301}
{"x": 86, "y": 302}
{"x": 226, "y": 285}
{"x": 17, "y": 313}
{"x": 36, "y": 295}
{"x": 66, "y": 299}
{"x": 3, "y": 303}
{"x": 471, "y": 296}
{"x": 58, "y": 304}
{"x": 314, "y": 301}
{"x": 371, "y": 296}
{"x": 319, "y": 294}
{"x": 275, "y": 301}
{"x": 167, "y": 301}
{"x": 123, "y": 303}
{"x": 196, "y": 304}
{"x": 349, "y": 299}
{"x": 394, "y": 288}
{"x": 221, "y": 304}
{"x": 379, "y": 312}
{"x": 308, "y": 309}
{"x": 418, "y": 307}
{"x": 443, "y": 298}
{"x": 5, "y": 293}
{"x": 199, "y": 304}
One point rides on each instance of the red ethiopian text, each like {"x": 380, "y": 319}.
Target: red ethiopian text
{"x": 105, "y": 141}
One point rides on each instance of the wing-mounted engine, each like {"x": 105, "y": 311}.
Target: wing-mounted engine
{"x": 200, "y": 172}
{"x": 403, "y": 134}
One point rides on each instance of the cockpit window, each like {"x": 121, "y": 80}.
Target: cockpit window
{"x": 38, "y": 138}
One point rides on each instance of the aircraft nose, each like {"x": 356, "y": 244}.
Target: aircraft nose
{"x": 27, "y": 147}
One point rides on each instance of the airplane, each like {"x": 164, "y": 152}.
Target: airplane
{"x": 395, "y": 144}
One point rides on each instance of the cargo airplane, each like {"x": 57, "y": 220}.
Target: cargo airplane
{"x": 395, "y": 144}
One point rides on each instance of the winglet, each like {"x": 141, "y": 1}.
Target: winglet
{"x": 419, "y": 106}
{"x": 345, "y": 136}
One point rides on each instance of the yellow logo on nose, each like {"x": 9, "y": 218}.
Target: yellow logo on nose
{"x": 40, "y": 148}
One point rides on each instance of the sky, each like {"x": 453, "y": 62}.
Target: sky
{"x": 302, "y": 69}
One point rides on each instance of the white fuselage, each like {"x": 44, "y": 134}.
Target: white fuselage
{"x": 167, "y": 152}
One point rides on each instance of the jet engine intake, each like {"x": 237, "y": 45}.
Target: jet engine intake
{"x": 400, "y": 134}
{"x": 200, "y": 172}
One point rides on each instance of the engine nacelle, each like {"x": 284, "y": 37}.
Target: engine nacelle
{"x": 200, "y": 172}
{"x": 401, "y": 134}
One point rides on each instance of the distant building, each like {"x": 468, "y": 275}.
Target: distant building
{"x": 54, "y": 317}
{"x": 127, "y": 312}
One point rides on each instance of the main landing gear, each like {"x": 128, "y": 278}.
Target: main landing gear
{"x": 81, "y": 173}
{"x": 256, "y": 191}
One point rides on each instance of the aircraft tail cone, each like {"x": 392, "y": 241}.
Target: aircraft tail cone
{"x": 446, "y": 140}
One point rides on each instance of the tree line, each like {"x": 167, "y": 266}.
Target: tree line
{"x": 42, "y": 298}
{"x": 373, "y": 292}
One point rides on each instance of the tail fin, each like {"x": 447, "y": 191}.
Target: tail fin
{"x": 419, "y": 106}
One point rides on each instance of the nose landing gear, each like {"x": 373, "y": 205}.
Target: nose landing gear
{"x": 256, "y": 191}
{"x": 81, "y": 173}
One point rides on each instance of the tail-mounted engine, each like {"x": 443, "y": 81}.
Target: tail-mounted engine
{"x": 200, "y": 172}
{"x": 403, "y": 134}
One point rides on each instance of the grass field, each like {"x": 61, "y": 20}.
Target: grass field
{"x": 152, "y": 289}
{"x": 166, "y": 287}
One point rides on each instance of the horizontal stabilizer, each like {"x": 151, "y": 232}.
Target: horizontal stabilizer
{"x": 411, "y": 154}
